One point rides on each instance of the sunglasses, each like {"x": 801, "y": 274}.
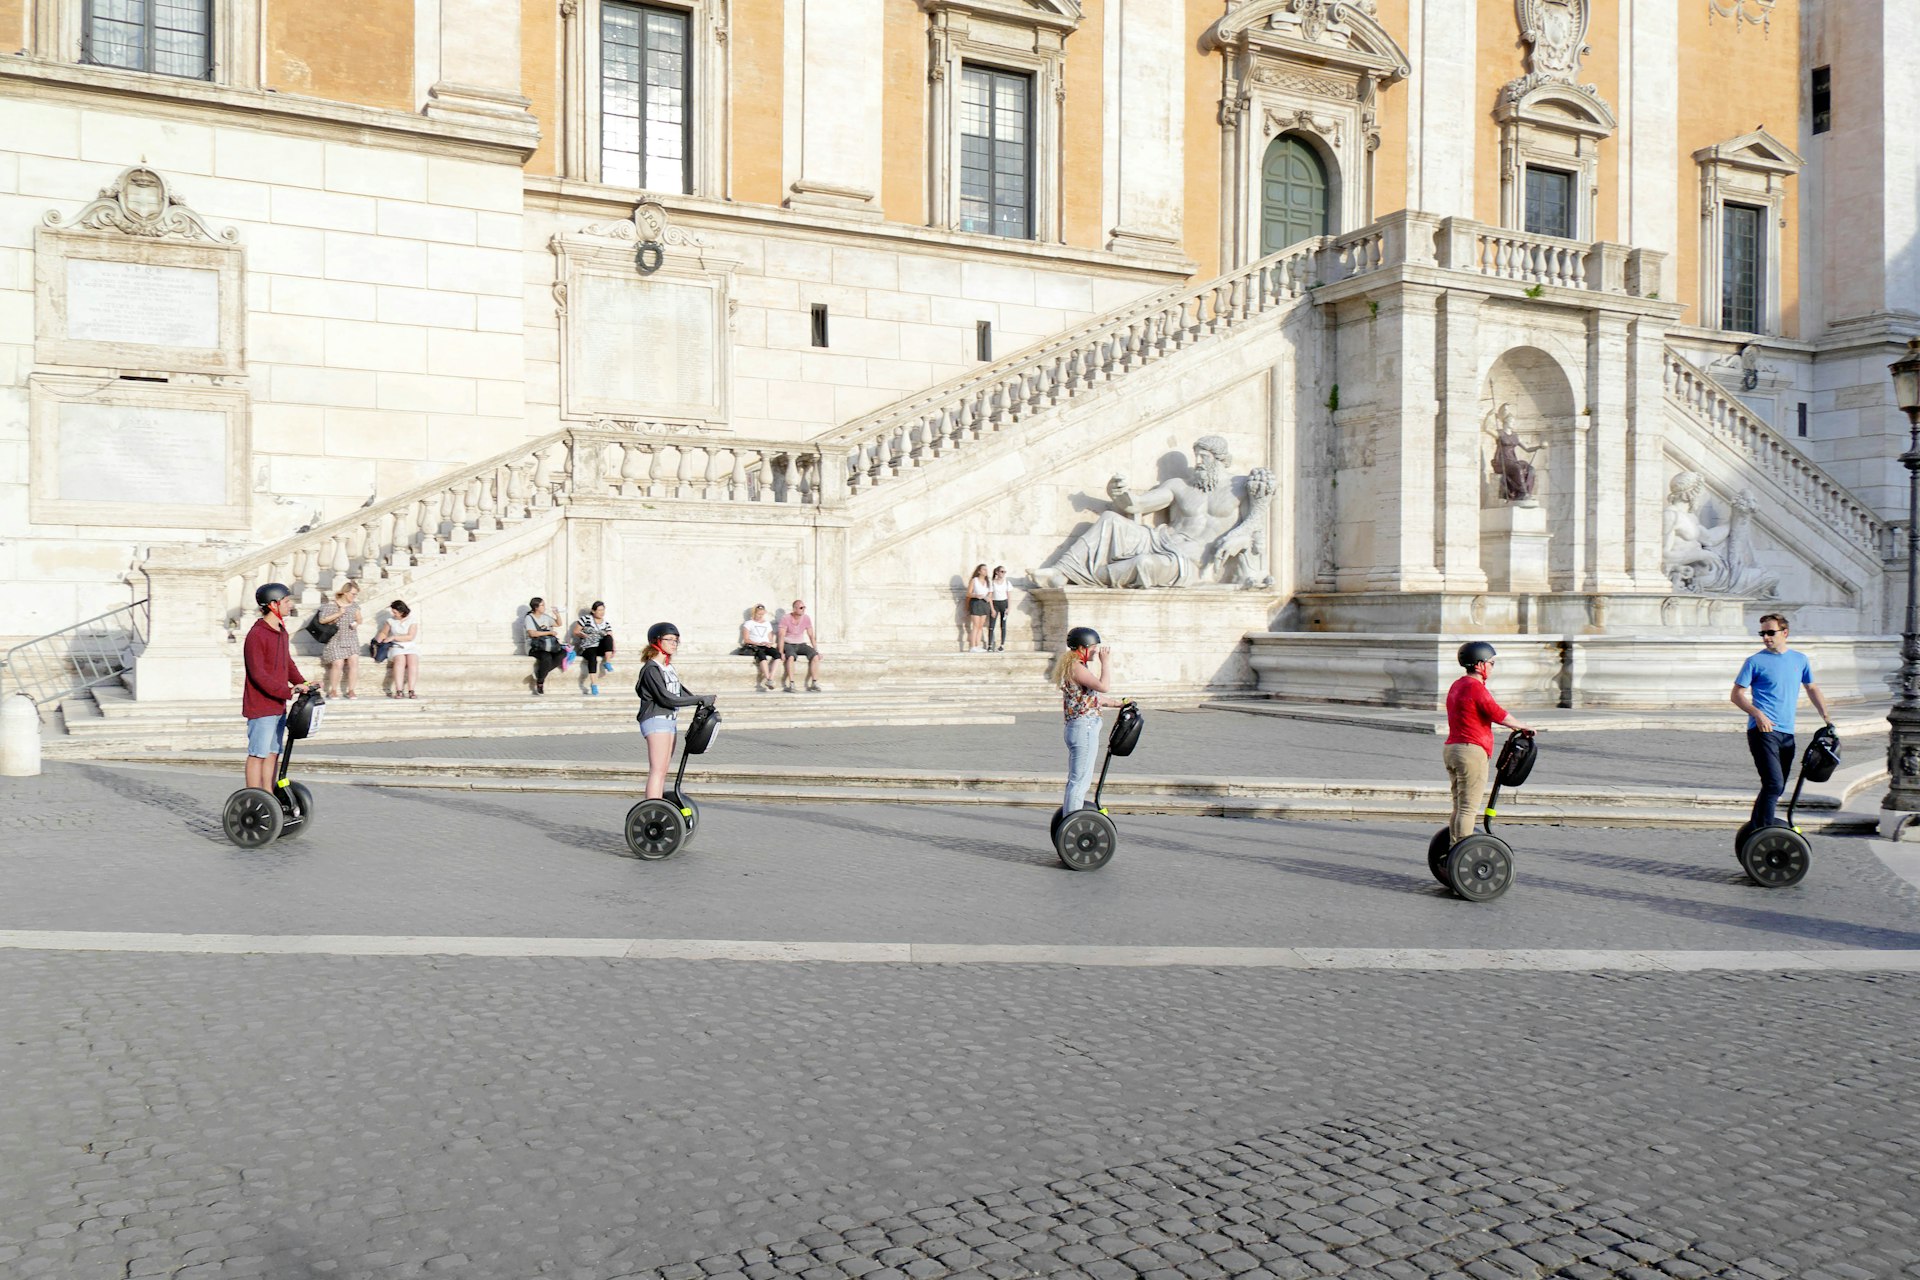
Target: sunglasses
{"x": 1768, "y": 635}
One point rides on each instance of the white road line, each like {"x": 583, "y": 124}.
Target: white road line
{"x": 947, "y": 953}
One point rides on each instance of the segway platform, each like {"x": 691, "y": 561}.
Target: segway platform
{"x": 254, "y": 818}
{"x": 1086, "y": 839}
{"x": 658, "y": 829}
{"x": 1779, "y": 856}
{"x": 1479, "y": 867}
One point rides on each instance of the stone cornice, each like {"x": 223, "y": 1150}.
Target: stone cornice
{"x": 593, "y": 201}
{"x": 196, "y": 100}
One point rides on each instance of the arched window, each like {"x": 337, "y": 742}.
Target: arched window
{"x": 1293, "y": 194}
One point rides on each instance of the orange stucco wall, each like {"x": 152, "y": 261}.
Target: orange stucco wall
{"x": 1201, "y": 222}
{"x": 368, "y": 61}
{"x": 759, "y": 91}
{"x": 13, "y": 25}
{"x": 540, "y": 54}
{"x": 903, "y": 161}
{"x": 1083, "y": 128}
{"x": 1390, "y": 161}
{"x": 1733, "y": 80}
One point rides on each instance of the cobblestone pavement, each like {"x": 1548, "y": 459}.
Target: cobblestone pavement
{"x": 1176, "y": 742}
{"x": 438, "y": 862}
{"x": 305, "y": 1117}
{"x": 320, "y": 1116}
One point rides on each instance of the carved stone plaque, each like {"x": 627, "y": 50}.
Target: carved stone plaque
{"x": 130, "y": 455}
{"x": 646, "y": 345}
{"x": 142, "y": 303}
{"x": 140, "y": 454}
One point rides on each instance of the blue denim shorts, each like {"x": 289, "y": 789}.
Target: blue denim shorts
{"x": 658, "y": 724}
{"x": 266, "y": 735}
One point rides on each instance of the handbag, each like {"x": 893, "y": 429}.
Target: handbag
{"x": 381, "y": 648}
{"x": 324, "y": 632}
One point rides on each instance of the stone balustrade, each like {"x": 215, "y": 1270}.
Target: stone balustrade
{"x": 1773, "y": 456}
{"x": 618, "y": 464}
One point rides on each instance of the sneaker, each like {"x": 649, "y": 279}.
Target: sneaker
{"x": 789, "y": 686}
{"x": 607, "y": 667}
{"x": 593, "y": 691}
{"x": 976, "y": 649}
{"x": 813, "y": 686}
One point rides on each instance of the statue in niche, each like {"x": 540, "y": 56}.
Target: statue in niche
{"x": 1708, "y": 558}
{"x": 1203, "y": 530}
{"x": 1517, "y": 477}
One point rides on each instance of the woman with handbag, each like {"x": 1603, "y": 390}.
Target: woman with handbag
{"x": 543, "y": 643}
{"x": 340, "y": 655}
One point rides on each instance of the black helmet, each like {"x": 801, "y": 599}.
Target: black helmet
{"x": 1475, "y": 652}
{"x": 267, "y": 593}
{"x": 660, "y": 631}
{"x": 1082, "y": 638}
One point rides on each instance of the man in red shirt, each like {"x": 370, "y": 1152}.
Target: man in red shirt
{"x": 1471, "y": 715}
{"x": 271, "y": 682}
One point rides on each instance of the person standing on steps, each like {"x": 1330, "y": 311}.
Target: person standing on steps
{"x": 1084, "y": 676}
{"x": 340, "y": 656}
{"x": 272, "y": 680}
{"x": 543, "y": 642}
{"x": 592, "y": 636}
{"x": 1468, "y": 754}
{"x": 798, "y": 640}
{"x": 1768, "y": 690}
{"x": 979, "y": 608}
{"x": 1001, "y": 603}
{"x": 661, "y": 696}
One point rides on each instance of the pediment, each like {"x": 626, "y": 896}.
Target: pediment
{"x": 1756, "y": 150}
{"x": 1336, "y": 33}
{"x": 1059, "y": 15}
{"x": 1558, "y": 103}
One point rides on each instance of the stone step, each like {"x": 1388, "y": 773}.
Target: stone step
{"x": 1613, "y": 806}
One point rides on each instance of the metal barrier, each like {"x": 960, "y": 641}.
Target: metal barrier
{"x": 69, "y": 661}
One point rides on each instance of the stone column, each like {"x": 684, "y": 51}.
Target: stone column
{"x": 188, "y": 657}
{"x": 1649, "y": 134}
{"x": 1405, "y": 340}
{"x": 841, "y": 103}
{"x": 472, "y": 66}
{"x": 1646, "y": 480}
{"x": 1444, "y": 108}
{"x": 1606, "y": 498}
{"x": 1146, "y": 96}
{"x": 1461, "y": 474}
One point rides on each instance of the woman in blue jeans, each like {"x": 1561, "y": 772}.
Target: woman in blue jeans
{"x": 1083, "y": 676}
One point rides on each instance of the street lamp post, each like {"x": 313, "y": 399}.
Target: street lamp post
{"x": 1903, "y": 753}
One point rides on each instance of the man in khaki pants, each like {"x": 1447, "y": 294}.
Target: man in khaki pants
{"x": 1471, "y": 715}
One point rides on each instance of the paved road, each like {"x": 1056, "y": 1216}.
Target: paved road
{"x": 1175, "y": 742}
{"x": 324, "y": 1116}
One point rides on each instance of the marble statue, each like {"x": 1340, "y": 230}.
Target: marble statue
{"x": 1708, "y": 559}
{"x": 1203, "y": 530}
{"x": 1517, "y": 477}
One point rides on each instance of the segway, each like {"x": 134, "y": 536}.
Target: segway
{"x": 1086, "y": 838}
{"x": 254, "y": 817}
{"x": 659, "y": 829}
{"x": 1779, "y": 856}
{"x": 1480, "y": 867}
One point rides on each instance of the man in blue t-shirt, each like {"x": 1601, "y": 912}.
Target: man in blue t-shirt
{"x": 1768, "y": 690}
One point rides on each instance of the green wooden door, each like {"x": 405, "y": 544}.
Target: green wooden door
{"x": 1293, "y": 195}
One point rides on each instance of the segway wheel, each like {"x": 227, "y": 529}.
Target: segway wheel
{"x": 1480, "y": 868}
{"x": 655, "y": 830}
{"x": 1777, "y": 857}
{"x": 1437, "y": 849}
{"x": 1053, "y": 827}
{"x": 302, "y": 800}
{"x": 252, "y": 818}
{"x": 1740, "y": 841}
{"x": 1086, "y": 840}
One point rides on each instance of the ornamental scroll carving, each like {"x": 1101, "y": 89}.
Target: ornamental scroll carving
{"x": 648, "y": 224}
{"x": 142, "y": 203}
{"x": 1284, "y": 121}
{"x": 1758, "y": 12}
{"x": 1555, "y": 32}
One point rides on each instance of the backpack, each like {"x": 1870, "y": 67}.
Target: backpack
{"x": 1822, "y": 756}
{"x": 1516, "y": 759}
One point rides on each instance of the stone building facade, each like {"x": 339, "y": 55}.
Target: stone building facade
{"x": 838, "y": 297}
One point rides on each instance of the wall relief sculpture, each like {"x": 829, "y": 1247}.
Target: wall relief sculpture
{"x": 1555, "y": 33}
{"x": 141, "y": 203}
{"x": 1204, "y": 537}
{"x": 1706, "y": 556}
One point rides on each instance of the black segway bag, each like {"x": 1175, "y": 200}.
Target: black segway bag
{"x": 303, "y": 717}
{"x": 1126, "y": 730}
{"x": 1822, "y": 755}
{"x": 706, "y": 723}
{"x": 1516, "y": 759}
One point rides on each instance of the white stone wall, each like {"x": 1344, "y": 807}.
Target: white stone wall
{"x": 383, "y": 301}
